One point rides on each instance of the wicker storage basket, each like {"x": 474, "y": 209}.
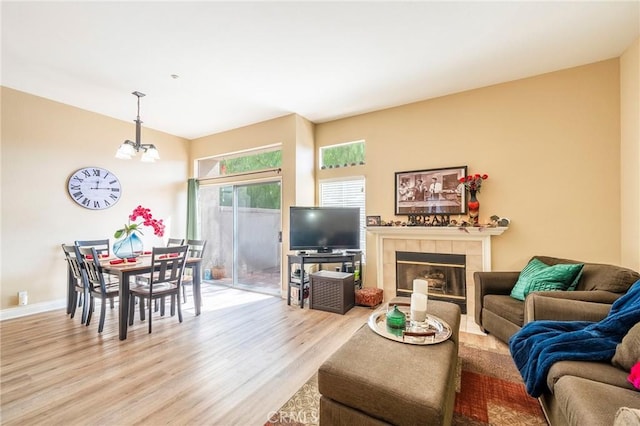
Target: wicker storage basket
{"x": 332, "y": 291}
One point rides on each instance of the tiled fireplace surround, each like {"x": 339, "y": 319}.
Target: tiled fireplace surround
{"x": 474, "y": 243}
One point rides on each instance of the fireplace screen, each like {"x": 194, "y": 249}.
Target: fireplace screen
{"x": 444, "y": 273}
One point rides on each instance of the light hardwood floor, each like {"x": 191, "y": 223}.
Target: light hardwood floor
{"x": 233, "y": 365}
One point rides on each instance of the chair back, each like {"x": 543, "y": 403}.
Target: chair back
{"x": 93, "y": 269}
{"x": 175, "y": 242}
{"x": 101, "y": 246}
{"x": 196, "y": 247}
{"x": 168, "y": 264}
{"x": 73, "y": 259}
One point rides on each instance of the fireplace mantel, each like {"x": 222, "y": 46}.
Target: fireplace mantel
{"x": 474, "y": 242}
{"x": 449, "y": 232}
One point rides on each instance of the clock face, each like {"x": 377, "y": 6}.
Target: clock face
{"x": 94, "y": 188}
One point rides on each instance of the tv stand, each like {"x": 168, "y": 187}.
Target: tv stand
{"x": 324, "y": 254}
{"x": 301, "y": 280}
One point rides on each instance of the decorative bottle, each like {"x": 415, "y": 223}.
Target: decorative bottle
{"x": 396, "y": 318}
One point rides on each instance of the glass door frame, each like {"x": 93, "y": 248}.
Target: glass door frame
{"x": 236, "y": 185}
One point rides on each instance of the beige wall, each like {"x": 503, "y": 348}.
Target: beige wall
{"x": 550, "y": 145}
{"x": 43, "y": 142}
{"x": 305, "y": 162}
{"x": 630, "y": 155}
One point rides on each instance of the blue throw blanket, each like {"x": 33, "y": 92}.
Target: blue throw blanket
{"x": 539, "y": 344}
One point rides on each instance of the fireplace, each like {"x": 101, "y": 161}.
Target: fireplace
{"x": 474, "y": 243}
{"x": 444, "y": 273}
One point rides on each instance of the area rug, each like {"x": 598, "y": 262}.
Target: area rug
{"x": 489, "y": 391}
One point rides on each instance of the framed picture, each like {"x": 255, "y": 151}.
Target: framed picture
{"x": 431, "y": 192}
{"x": 373, "y": 221}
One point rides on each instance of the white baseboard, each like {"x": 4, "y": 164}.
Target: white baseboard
{"x": 35, "y": 308}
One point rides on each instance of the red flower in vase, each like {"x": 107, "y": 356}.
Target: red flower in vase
{"x": 148, "y": 220}
{"x": 473, "y": 183}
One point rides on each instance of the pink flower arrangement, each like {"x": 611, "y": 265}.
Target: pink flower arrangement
{"x": 148, "y": 220}
{"x": 473, "y": 182}
{"x": 634, "y": 377}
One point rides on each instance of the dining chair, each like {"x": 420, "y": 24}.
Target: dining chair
{"x": 98, "y": 287}
{"x": 103, "y": 248}
{"x": 172, "y": 242}
{"x": 196, "y": 249}
{"x": 168, "y": 265}
{"x": 144, "y": 278}
{"x": 80, "y": 295}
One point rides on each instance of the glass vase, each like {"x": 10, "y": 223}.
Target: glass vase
{"x": 474, "y": 208}
{"x": 128, "y": 247}
{"x": 396, "y": 318}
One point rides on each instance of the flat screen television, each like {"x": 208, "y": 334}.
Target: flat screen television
{"x": 324, "y": 229}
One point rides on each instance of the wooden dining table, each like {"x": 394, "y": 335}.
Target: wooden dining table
{"x": 125, "y": 271}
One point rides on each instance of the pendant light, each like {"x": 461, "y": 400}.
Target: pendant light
{"x": 129, "y": 148}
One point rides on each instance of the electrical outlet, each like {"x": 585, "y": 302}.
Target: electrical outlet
{"x": 23, "y": 297}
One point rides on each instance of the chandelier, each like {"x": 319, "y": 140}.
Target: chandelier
{"x": 129, "y": 148}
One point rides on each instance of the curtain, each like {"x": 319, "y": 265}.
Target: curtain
{"x": 193, "y": 228}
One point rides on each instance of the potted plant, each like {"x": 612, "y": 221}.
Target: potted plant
{"x": 218, "y": 271}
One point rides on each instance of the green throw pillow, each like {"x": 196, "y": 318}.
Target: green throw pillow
{"x": 538, "y": 276}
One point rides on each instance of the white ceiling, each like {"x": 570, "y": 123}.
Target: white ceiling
{"x": 244, "y": 62}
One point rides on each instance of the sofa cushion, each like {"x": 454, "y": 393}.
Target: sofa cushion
{"x": 628, "y": 351}
{"x": 599, "y": 276}
{"x": 602, "y": 372}
{"x": 585, "y": 402}
{"x": 505, "y": 306}
{"x": 538, "y": 276}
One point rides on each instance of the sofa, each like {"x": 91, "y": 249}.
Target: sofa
{"x": 584, "y": 393}
{"x": 499, "y": 314}
{"x": 577, "y": 392}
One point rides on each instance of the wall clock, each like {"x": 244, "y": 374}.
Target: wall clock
{"x": 94, "y": 188}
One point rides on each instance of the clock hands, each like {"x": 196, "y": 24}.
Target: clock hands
{"x": 98, "y": 186}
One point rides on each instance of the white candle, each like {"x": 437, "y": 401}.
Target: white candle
{"x": 420, "y": 286}
{"x": 418, "y": 307}
{"x": 419, "y": 301}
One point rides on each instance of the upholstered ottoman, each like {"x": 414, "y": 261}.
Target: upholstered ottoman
{"x": 368, "y": 296}
{"x": 372, "y": 380}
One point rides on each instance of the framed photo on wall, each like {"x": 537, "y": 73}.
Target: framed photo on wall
{"x": 431, "y": 192}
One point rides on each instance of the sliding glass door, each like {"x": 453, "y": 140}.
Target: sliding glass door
{"x": 242, "y": 225}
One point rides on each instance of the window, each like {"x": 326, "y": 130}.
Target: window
{"x": 255, "y": 160}
{"x": 344, "y": 154}
{"x": 348, "y": 192}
